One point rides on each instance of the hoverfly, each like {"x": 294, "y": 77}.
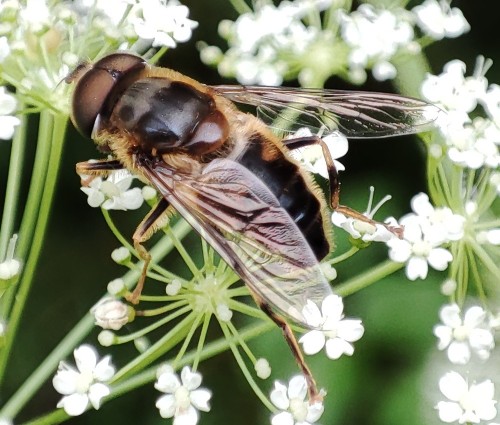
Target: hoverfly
{"x": 227, "y": 173}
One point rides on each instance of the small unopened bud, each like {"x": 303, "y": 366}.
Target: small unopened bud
{"x": 10, "y": 267}
{"x": 110, "y": 313}
{"x": 106, "y": 338}
{"x": 121, "y": 255}
{"x": 173, "y": 287}
{"x": 148, "y": 193}
{"x": 224, "y": 313}
{"x": 117, "y": 287}
{"x": 262, "y": 368}
{"x": 448, "y": 287}
{"x": 142, "y": 344}
{"x": 329, "y": 271}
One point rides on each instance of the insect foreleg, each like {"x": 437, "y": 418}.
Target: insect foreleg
{"x": 143, "y": 232}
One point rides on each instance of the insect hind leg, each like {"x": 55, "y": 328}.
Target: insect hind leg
{"x": 312, "y": 389}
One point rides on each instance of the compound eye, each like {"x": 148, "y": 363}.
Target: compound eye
{"x": 94, "y": 86}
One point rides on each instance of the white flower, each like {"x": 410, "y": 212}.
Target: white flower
{"x": 364, "y": 230}
{"x": 374, "y": 37}
{"x": 468, "y": 404}
{"x": 114, "y": 193}
{"x": 8, "y": 123}
{"x": 164, "y": 22}
{"x": 330, "y": 329}
{"x": 461, "y": 336}
{"x": 83, "y": 385}
{"x": 473, "y": 144}
{"x": 441, "y": 222}
{"x": 291, "y": 400}
{"x": 439, "y": 20}
{"x": 312, "y": 156}
{"x": 418, "y": 249}
{"x": 183, "y": 397}
{"x": 452, "y": 90}
{"x": 110, "y": 313}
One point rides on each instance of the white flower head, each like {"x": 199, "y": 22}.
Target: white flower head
{"x": 113, "y": 193}
{"x": 439, "y": 20}
{"x": 375, "y": 36}
{"x": 291, "y": 400}
{"x": 418, "y": 249}
{"x": 364, "y": 230}
{"x": 183, "y": 397}
{"x": 452, "y": 91}
{"x": 84, "y": 384}
{"x": 467, "y": 403}
{"x": 164, "y": 22}
{"x": 330, "y": 329}
{"x": 461, "y": 336}
{"x": 440, "y": 222}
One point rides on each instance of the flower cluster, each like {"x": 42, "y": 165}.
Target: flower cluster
{"x": 471, "y": 142}
{"x": 41, "y": 41}
{"x": 425, "y": 231}
{"x": 290, "y": 40}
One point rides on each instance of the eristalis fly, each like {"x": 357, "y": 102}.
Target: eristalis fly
{"x": 228, "y": 174}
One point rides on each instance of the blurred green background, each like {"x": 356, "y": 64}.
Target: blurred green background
{"x": 381, "y": 384}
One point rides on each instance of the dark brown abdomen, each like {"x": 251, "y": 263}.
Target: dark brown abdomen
{"x": 288, "y": 185}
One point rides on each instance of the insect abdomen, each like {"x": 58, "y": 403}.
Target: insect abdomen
{"x": 285, "y": 180}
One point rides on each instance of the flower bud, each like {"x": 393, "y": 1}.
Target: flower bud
{"x": 112, "y": 314}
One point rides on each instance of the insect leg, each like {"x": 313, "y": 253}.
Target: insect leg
{"x": 333, "y": 176}
{"x": 143, "y": 232}
{"x": 312, "y": 389}
{"x": 93, "y": 169}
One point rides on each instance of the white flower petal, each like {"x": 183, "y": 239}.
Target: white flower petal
{"x": 350, "y": 329}
{"x": 104, "y": 370}
{"x": 416, "y": 268}
{"x": 74, "y": 404}
{"x": 449, "y": 411}
{"x": 65, "y": 381}
{"x": 453, "y": 386}
{"x": 297, "y": 388}
{"x": 279, "y": 396}
{"x": 186, "y": 417}
{"x": 312, "y": 342}
{"x": 166, "y": 405}
{"x": 96, "y": 393}
{"x": 200, "y": 398}
{"x": 167, "y": 382}
{"x": 459, "y": 352}
{"x": 314, "y": 412}
{"x": 191, "y": 380}
{"x": 439, "y": 258}
{"x": 283, "y": 418}
{"x": 450, "y": 315}
{"x": 444, "y": 334}
{"x": 335, "y": 347}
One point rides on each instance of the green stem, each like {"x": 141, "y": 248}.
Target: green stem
{"x": 367, "y": 278}
{"x": 57, "y": 126}
{"x": 30, "y": 214}
{"x": 26, "y": 391}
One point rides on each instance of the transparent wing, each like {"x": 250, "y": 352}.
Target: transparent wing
{"x": 355, "y": 114}
{"x": 241, "y": 218}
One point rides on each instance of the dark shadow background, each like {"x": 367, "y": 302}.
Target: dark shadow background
{"x": 380, "y": 385}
